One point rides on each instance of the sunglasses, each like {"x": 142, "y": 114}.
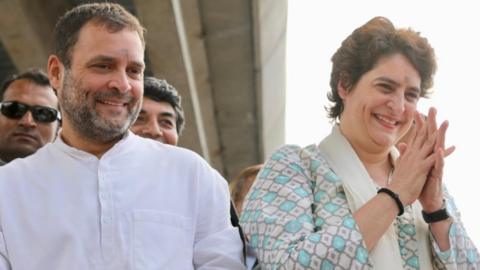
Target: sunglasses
{"x": 16, "y": 110}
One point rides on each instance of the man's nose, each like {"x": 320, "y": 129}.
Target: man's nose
{"x": 121, "y": 82}
{"x": 27, "y": 120}
{"x": 154, "y": 131}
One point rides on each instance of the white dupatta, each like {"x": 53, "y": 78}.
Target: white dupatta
{"x": 360, "y": 188}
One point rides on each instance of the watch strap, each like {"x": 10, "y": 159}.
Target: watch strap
{"x": 436, "y": 216}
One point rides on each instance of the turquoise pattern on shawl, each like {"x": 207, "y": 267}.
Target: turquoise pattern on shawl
{"x": 297, "y": 217}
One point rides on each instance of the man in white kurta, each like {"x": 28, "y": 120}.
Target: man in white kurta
{"x": 143, "y": 205}
{"x": 101, "y": 197}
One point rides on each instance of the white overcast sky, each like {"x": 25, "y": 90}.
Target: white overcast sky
{"x": 315, "y": 31}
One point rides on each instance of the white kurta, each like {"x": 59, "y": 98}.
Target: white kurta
{"x": 143, "y": 205}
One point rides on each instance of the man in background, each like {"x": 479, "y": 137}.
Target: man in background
{"x": 29, "y": 115}
{"x": 161, "y": 117}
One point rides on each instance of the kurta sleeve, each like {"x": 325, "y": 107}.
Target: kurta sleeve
{"x": 4, "y": 264}
{"x": 217, "y": 243}
{"x": 296, "y": 216}
{"x": 462, "y": 253}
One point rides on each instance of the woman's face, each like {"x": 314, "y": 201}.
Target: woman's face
{"x": 380, "y": 107}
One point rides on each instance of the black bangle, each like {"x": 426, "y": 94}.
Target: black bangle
{"x": 395, "y": 197}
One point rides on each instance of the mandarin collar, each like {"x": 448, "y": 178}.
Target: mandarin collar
{"x": 79, "y": 154}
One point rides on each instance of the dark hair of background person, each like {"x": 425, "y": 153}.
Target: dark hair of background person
{"x": 238, "y": 184}
{"x": 162, "y": 91}
{"x": 111, "y": 15}
{"x": 36, "y": 76}
{"x": 360, "y": 52}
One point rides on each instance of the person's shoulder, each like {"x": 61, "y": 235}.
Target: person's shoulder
{"x": 306, "y": 160}
{"x": 19, "y": 170}
{"x": 294, "y": 152}
{"x": 162, "y": 151}
{"x": 20, "y": 164}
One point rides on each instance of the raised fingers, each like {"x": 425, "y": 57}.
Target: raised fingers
{"x": 431, "y": 121}
{"x": 442, "y": 131}
{"x": 420, "y": 131}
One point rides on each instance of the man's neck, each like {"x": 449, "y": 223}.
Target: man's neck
{"x": 76, "y": 140}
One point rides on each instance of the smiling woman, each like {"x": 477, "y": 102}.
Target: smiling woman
{"x": 354, "y": 193}
{"x": 312, "y": 40}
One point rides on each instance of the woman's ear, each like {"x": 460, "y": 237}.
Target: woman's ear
{"x": 342, "y": 91}
{"x": 56, "y": 72}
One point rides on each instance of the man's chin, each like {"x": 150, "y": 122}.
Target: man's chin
{"x": 22, "y": 152}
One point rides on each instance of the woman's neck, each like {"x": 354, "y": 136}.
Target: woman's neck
{"x": 375, "y": 159}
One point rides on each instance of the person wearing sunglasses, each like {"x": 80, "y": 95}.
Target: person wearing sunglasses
{"x": 29, "y": 116}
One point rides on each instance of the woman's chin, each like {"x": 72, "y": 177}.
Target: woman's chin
{"x": 384, "y": 141}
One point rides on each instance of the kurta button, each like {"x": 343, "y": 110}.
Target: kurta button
{"x": 107, "y": 220}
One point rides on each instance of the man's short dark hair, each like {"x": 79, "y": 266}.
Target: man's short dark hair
{"x": 162, "y": 91}
{"x": 36, "y": 76}
{"x": 111, "y": 15}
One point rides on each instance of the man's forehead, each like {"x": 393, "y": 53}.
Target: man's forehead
{"x": 97, "y": 41}
{"x": 157, "y": 107}
{"x": 29, "y": 92}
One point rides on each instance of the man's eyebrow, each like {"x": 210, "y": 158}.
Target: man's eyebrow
{"x": 109, "y": 59}
{"x": 101, "y": 58}
{"x": 168, "y": 114}
{"x": 137, "y": 64}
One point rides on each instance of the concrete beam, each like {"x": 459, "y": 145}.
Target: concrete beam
{"x": 229, "y": 39}
{"x": 176, "y": 51}
{"x": 27, "y": 30}
{"x": 270, "y": 20}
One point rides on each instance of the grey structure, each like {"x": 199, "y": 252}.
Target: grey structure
{"x": 226, "y": 59}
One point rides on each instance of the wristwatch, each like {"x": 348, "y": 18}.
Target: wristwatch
{"x": 436, "y": 216}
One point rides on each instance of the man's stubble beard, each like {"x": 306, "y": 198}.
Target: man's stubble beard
{"x": 87, "y": 121}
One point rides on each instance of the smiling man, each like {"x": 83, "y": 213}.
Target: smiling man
{"x": 29, "y": 118}
{"x": 101, "y": 197}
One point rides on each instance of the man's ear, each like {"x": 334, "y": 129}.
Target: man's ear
{"x": 56, "y": 72}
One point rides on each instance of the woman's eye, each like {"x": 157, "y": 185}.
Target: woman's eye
{"x": 385, "y": 86}
{"x": 412, "y": 96}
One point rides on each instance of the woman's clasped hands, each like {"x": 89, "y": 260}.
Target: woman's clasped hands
{"x": 419, "y": 169}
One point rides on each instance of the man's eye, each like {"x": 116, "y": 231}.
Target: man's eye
{"x": 102, "y": 66}
{"x": 136, "y": 72}
{"x": 166, "y": 123}
{"x": 140, "y": 119}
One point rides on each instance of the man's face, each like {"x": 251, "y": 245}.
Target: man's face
{"x": 101, "y": 92}
{"x": 22, "y": 137}
{"x": 157, "y": 121}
